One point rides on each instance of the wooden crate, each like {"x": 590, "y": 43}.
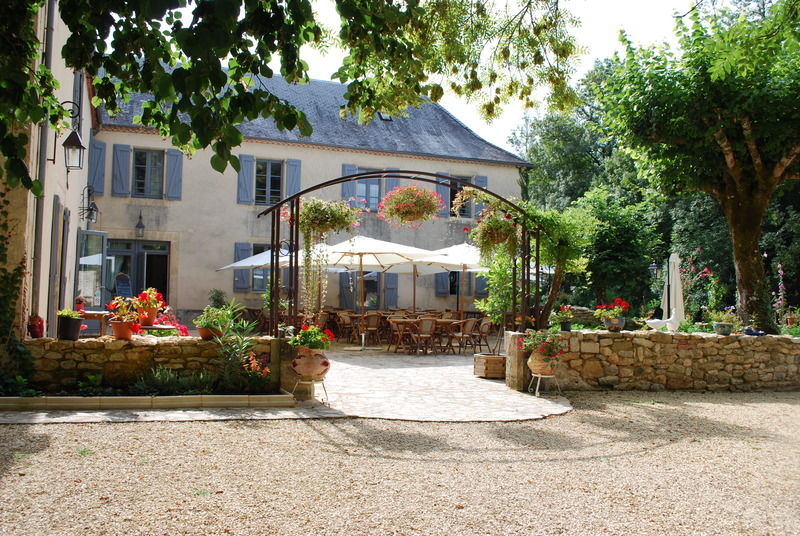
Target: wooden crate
{"x": 489, "y": 366}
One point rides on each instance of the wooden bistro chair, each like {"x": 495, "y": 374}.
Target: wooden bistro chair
{"x": 424, "y": 335}
{"x": 465, "y": 335}
{"x": 396, "y": 333}
{"x": 482, "y": 336}
{"x": 346, "y": 327}
{"x": 371, "y": 326}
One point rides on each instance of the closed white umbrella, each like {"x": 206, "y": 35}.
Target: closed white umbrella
{"x": 672, "y": 297}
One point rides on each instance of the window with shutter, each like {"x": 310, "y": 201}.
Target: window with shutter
{"x": 268, "y": 182}
{"x": 148, "y": 173}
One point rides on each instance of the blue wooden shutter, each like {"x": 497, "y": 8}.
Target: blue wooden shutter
{"x": 443, "y": 189}
{"x": 97, "y": 166}
{"x": 481, "y": 286}
{"x": 442, "y": 286}
{"x": 245, "y": 185}
{"x": 174, "y": 174}
{"x": 121, "y": 171}
{"x": 483, "y": 182}
{"x": 346, "y": 298}
{"x": 390, "y": 290}
{"x": 241, "y": 278}
{"x": 292, "y": 177}
{"x": 349, "y": 188}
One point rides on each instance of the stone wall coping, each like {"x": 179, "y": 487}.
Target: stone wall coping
{"x": 14, "y": 403}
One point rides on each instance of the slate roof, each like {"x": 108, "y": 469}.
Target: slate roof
{"x": 426, "y": 131}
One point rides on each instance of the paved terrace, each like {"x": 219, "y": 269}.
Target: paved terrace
{"x": 371, "y": 384}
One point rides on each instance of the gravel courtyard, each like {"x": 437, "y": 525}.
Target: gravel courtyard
{"x": 620, "y": 463}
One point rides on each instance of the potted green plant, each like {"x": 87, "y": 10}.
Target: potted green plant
{"x": 407, "y": 205}
{"x": 210, "y": 322}
{"x": 613, "y": 314}
{"x": 546, "y": 348}
{"x": 69, "y": 324}
{"x": 311, "y": 364}
{"x": 563, "y": 317}
{"x": 724, "y": 321}
{"x": 124, "y": 318}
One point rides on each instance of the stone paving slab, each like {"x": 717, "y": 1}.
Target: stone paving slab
{"x": 364, "y": 384}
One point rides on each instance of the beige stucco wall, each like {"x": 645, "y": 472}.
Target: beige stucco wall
{"x": 203, "y": 226}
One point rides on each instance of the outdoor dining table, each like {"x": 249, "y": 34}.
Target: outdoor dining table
{"x": 443, "y": 326}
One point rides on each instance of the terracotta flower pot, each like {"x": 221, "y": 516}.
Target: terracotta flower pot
{"x": 207, "y": 333}
{"x": 538, "y": 365}
{"x": 148, "y": 316}
{"x": 311, "y": 364}
{"x": 121, "y": 330}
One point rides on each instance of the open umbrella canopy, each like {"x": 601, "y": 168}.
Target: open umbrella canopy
{"x": 373, "y": 254}
{"x": 459, "y": 257}
{"x": 259, "y": 260}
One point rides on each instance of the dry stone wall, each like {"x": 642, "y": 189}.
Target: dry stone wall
{"x": 60, "y": 364}
{"x": 654, "y": 361}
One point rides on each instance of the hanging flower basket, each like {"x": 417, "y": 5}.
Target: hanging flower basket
{"x": 408, "y": 204}
{"x": 494, "y": 230}
{"x": 320, "y": 217}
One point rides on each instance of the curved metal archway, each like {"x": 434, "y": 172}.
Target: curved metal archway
{"x": 520, "y": 308}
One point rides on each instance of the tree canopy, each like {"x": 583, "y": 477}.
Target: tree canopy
{"x": 729, "y": 127}
{"x": 204, "y": 73}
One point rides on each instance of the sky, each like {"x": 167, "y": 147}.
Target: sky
{"x": 645, "y": 21}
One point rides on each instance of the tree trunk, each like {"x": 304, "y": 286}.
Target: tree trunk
{"x": 552, "y": 295}
{"x": 745, "y": 215}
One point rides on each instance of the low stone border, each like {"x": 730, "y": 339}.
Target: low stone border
{"x": 18, "y": 403}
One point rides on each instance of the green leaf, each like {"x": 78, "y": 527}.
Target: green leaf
{"x": 218, "y": 163}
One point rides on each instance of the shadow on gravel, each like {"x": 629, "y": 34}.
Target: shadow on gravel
{"x": 373, "y": 437}
{"x": 17, "y": 443}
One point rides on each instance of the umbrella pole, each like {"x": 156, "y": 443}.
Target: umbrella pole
{"x": 361, "y": 273}
{"x": 414, "y": 300}
{"x": 461, "y": 289}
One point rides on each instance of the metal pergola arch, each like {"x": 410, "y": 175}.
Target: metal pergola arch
{"x": 520, "y": 308}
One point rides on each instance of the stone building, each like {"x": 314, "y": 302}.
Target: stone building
{"x": 195, "y": 220}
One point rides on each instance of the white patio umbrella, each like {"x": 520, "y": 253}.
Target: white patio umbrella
{"x": 672, "y": 297}
{"x": 464, "y": 257}
{"x": 259, "y": 260}
{"x": 375, "y": 255}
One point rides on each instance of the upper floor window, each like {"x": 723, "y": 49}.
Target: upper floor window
{"x": 368, "y": 192}
{"x": 269, "y": 174}
{"x": 148, "y": 173}
{"x": 466, "y": 209}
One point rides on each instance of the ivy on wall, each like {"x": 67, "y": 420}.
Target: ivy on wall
{"x": 15, "y": 359}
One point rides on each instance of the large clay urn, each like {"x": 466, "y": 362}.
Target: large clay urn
{"x": 311, "y": 364}
{"x": 538, "y": 365}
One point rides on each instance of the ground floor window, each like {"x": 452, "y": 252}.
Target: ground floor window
{"x": 136, "y": 265}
